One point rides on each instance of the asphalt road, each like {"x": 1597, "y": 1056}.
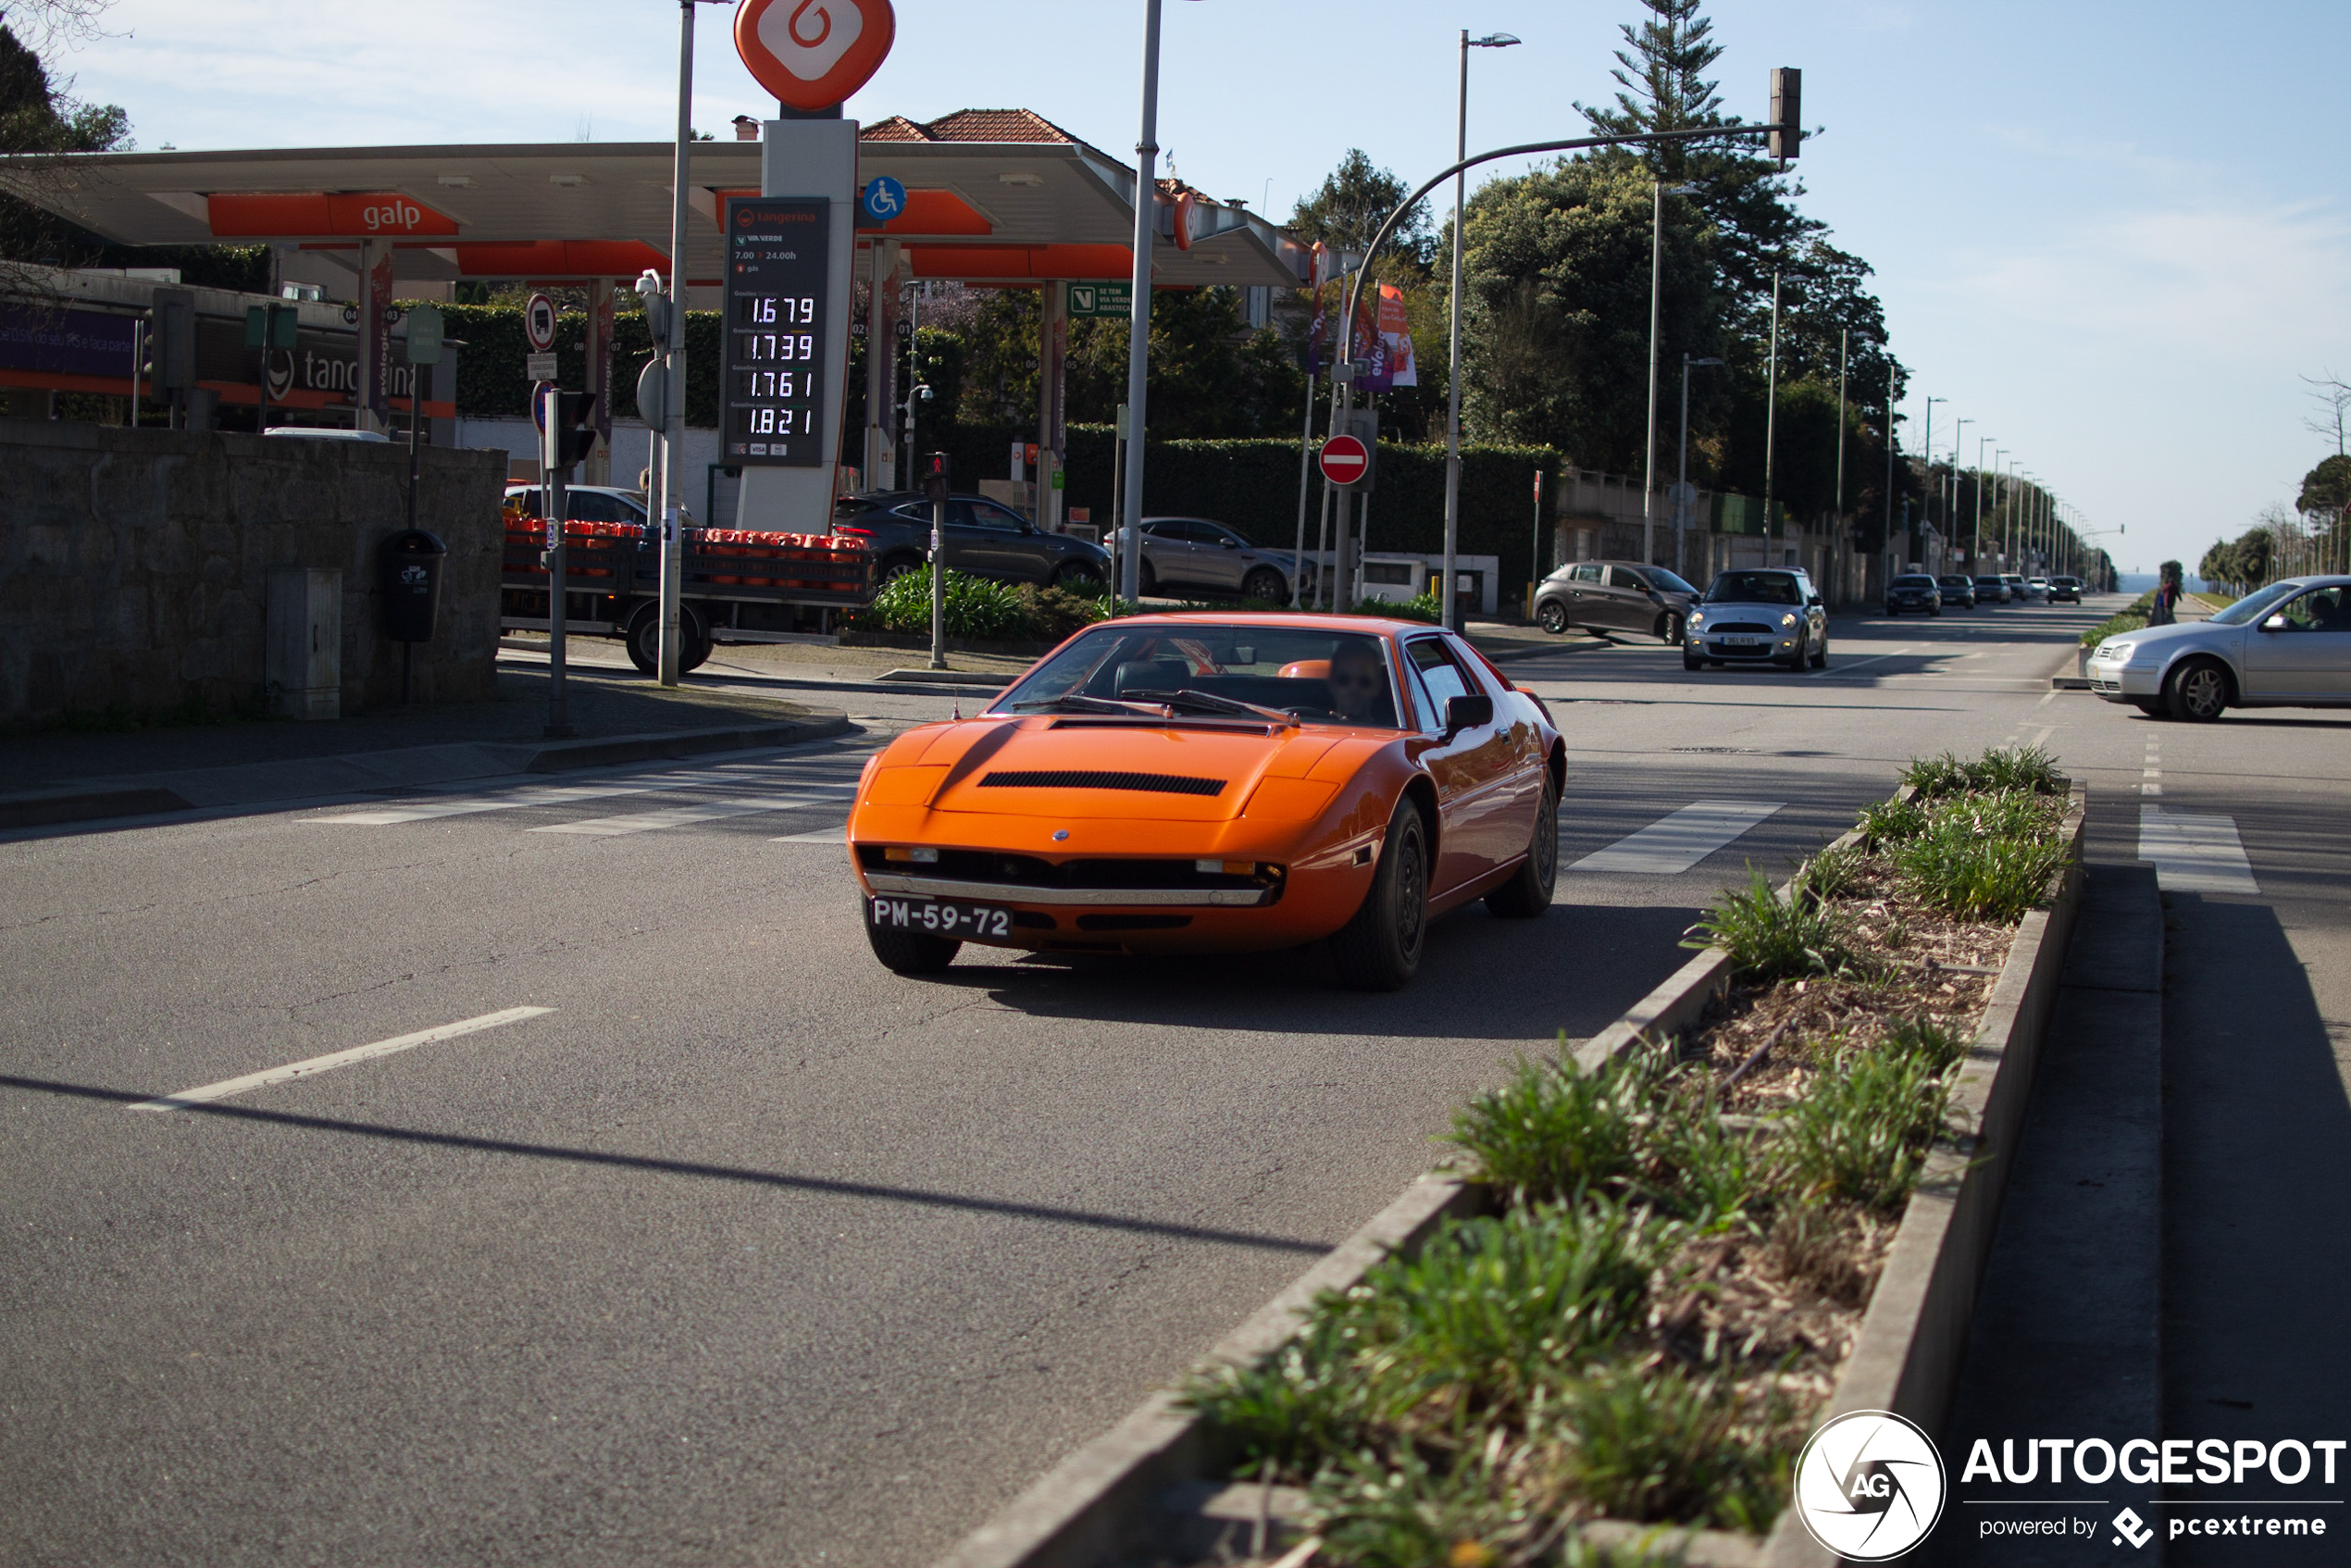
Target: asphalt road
{"x": 750, "y": 1251}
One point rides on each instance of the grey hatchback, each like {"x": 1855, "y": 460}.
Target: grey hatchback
{"x": 983, "y": 539}
{"x": 1604, "y": 596}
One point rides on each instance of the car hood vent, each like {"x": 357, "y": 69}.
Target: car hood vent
{"x": 1073, "y": 779}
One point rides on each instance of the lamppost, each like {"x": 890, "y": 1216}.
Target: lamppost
{"x": 1453, "y": 354}
{"x": 1975, "y": 543}
{"x": 1682, "y": 471}
{"x": 1648, "y": 450}
{"x": 1926, "y": 450}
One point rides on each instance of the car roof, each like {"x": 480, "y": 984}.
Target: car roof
{"x": 1362, "y": 625}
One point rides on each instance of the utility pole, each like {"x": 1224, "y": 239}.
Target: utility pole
{"x": 665, "y": 504}
{"x": 1843, "y": 350}
{"x": 1770, "y": 418}
{"x": 1447, "y": 598}
{"x": 1682, "y": 471}
{"x": 1648, "y": 446}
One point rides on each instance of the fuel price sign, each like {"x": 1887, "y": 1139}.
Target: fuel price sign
{"x": 777, "y": 331}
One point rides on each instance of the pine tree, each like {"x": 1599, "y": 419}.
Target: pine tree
{"x": 1666, "y": 67}
{"x": 1354, "y": 201}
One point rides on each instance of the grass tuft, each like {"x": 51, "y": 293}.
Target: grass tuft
{"x": 1663, "y": 1442}
{"x": 1770, "y": 938}
{"x": 1861, "y": 1132}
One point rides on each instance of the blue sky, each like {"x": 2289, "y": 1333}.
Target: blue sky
{"x": 2112, "y": 234}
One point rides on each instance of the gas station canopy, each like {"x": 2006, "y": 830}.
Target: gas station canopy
{"x": 997, "y": 197}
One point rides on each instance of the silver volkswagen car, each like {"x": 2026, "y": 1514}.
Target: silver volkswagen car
{"x": 2284, "y": 646}
{"x": 1751, "y": 615}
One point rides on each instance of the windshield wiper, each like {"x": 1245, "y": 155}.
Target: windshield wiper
{"x": 1079, "y": 703}
{"x": 1215, "y": 703}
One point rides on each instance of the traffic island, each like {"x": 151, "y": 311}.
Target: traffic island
{"x": 1764, "y": 1196}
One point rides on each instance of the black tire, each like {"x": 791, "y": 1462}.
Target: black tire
{"x": 910, "y": 953}
{"x": 1820, "y": 656}
{"x": 644, "y": 639}
{"x": 1669, "y": 629}
{"x": 2149, "y": 706}
{"x": 1894, "y": 612}
{"x": 1691, "y": 661}
{"x": 1379, "y": 950}
{"x": 1551, "y": 615}
{"x": 1145, "y": 580}
{"x": 1528, "y": 892}
{"x": 1081, "y": 578}
{"x": 895, "y": 568}
{"x": 1265, "y": 584}
{"x": 2197, "y": 690}
{"x": 1799, "y": 655}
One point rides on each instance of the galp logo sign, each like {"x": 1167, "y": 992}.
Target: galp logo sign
{"x": 814, "y": 53}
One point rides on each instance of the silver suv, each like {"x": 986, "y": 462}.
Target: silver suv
{"x": 1193, "y": 555}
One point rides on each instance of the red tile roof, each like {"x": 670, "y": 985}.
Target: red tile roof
{"x": 969, "y": 125}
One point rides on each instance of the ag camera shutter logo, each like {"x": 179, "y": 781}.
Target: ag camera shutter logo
{"x": 1868, "y": 1485}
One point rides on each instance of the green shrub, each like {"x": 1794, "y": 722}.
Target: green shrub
{"x": 1424, "y": 609}
{"x": 977, "y": 607}
{"x": 1980, "y": 877}
{"x": 1055, "y": 613}
{"x": 2029, "y": 769}
{"x": 1771, "y": 939}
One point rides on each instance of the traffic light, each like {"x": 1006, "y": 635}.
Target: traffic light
{"x": 935, "y": 477}
{"x": 571, "y": 432}
{"x": 1787, "y": 112}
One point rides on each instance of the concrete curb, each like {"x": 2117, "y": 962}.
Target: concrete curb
{"x": 1098, "y": 1504}
{"x": 975, "y": 680}
{"x": 395, "y": 767}
{"x": 1095, "y": 1505}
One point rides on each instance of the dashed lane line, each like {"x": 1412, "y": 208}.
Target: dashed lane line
{"x": 311, "y": 1067}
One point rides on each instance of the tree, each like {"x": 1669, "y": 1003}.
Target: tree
{"x": 1354, "y": 201}
{"x": 2334, "y": 395}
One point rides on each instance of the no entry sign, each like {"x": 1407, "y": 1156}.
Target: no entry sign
{"x": 1344, "y": 460}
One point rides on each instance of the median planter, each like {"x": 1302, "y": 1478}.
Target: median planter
{"x": 1764, "y": 1197}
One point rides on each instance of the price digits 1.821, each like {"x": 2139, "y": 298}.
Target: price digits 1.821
{"x": 777, "y": 372}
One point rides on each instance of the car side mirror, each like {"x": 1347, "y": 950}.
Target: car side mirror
{"x": 1232, "y": 545}
{"x": 1467, "y": 713}
{"x": 1813, "y": 602}
{"x": 2275, "y": 623}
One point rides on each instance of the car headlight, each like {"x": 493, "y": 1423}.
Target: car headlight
{"x": 2114, "y": 649}
{"x": 1787, "y": 620}
{"x": 1696, "y": 621}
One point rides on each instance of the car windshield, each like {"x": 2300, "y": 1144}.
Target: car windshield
{"x": 1914, "y": 582}
{"x": 1952, "y": 581}
{"x": 1754, "y": 588}
{"x": 1313, "y": 675}
{"x": 2252, "y": 607}
{"x": 1666, "y": 583}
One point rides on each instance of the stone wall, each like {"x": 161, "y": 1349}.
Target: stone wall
{"x": 134, "y": 564}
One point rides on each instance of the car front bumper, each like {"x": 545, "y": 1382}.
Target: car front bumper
{"x": 1763, "y": 648}
{"x": 2124, "y": 683}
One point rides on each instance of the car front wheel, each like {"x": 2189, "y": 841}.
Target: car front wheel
{"x": 1528, "y": 892}
{"x": 1266, "y": 586}
{"x": 2198, "y": 692}
{"x": 1081, "y": 578}
{"x": 1669, "y": 630}
{"x": 1691, "y": 661}
{"x": 1379, "y": 950}
{"x": 1551, "y": 615}
{"x": 909, "y": 952}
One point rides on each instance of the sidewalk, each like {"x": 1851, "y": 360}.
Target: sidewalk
{"x": 64, "y": 777}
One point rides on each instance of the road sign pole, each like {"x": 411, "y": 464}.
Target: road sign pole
{"x": 552, "y": 503}
{"x": 1139, "y": 340}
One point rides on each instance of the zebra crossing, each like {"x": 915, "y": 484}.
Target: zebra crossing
{"x": 782, "y": 786}
{"x": 823, "y": 787}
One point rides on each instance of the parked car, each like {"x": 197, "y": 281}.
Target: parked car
{"x": 1913, "y": 590}
{"x": 1991, "y": 589}
{"x": 1194, "y": 554}
{"x": 1218, "y": 783}
{"x": 1606, "y": 596}
{"x": 2284, "y": 646}
{"x": 1958, "y": 590}
{"x": 983, "y": 539}
{"x": 2068, "y": 589}
{"x": 2036, "y": 590}
{"x": 1750, "y": 615}
{"x": 594, "y": 503}
{"x": 2016, "y": 586}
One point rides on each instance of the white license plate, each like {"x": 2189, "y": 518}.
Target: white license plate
{"x": 942, "y": 917}
{"x": 1740, "y": 642}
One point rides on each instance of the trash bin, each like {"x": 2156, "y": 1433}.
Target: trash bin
{"x": 411, "y": 561}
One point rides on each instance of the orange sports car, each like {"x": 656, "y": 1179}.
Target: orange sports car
{"x": 1198, "y": 783}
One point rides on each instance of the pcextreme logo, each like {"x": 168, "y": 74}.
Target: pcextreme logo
{"x": 1868, "y": 1485}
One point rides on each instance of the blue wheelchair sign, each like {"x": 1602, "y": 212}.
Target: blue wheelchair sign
{"x": 885, "y": 198}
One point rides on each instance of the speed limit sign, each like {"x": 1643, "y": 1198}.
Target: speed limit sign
{"x": 539, "y": 321}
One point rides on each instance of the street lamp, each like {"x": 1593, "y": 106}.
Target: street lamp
{"x": 1453, "y": 350}
{"x": 1927, "y": 453}
{"x": 1648, "y": 450}
{"x": 1139, "y": 328}
{"x": 1682, "y": 470}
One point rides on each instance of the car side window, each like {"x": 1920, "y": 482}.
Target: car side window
{"x": 2321, "y": 609}
{"x": 914, "y": 512}
{"x": 988, "y": 514}
{"x": 1589, "y": 572}
{"x": 1480, "y": 677}
{"x": 1442, "y": 674}
{"x": 1220, "y": 538}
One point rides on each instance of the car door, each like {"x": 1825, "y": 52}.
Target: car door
{"x": 1223, "y": 557}
{"x": 1583, "y": 593}
{"x": 1015, "y": 552}
{"x": 2305, "y": 659}
{"x": 1471, "y": 770}
{"x": 1628, "y": 601}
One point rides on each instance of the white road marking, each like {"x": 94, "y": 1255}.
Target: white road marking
{"x": 1844, "y": 665}
{"x": 1672, "y": 845}
{"x": 2195, "y": 854}
{"x": 681, "y": 817}
{"x": 822, "y": 836}
{"x": 466, "y": 806}
{"x": 332, "y": 1059}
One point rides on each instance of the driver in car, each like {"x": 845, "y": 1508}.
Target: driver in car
{"x": 1359, "y": 682}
